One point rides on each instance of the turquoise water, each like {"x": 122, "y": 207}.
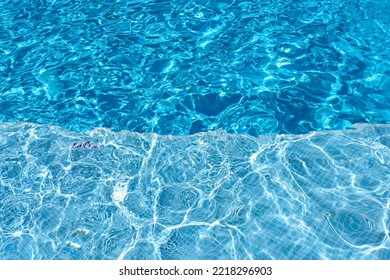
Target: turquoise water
{"x": 194, "y": 129}
{"x": 182, "y": 67}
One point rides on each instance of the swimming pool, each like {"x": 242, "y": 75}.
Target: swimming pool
{"x": 194, "y": 130}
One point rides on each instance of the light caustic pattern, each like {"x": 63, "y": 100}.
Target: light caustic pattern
{"x": 323, "y": 195}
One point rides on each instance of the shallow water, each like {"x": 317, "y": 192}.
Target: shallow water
{"x": 323, "y": 195}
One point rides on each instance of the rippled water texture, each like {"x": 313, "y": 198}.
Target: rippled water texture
{"x": 194, "y": 129}
{"x": 181, "y": 67}
{"x": 323, "y": 195}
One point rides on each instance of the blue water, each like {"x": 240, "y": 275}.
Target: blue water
{"x": 217, "y": 129}
{"x": 182, "y": 67}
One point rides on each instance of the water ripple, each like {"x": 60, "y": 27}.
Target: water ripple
{"x": 182, "y": 67}
{"x": 204, "y": 196}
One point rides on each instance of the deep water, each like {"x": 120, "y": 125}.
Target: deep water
{"x": 182, "y": 67}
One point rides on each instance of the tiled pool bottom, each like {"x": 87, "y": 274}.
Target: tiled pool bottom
{"x": 323, "y": 195}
